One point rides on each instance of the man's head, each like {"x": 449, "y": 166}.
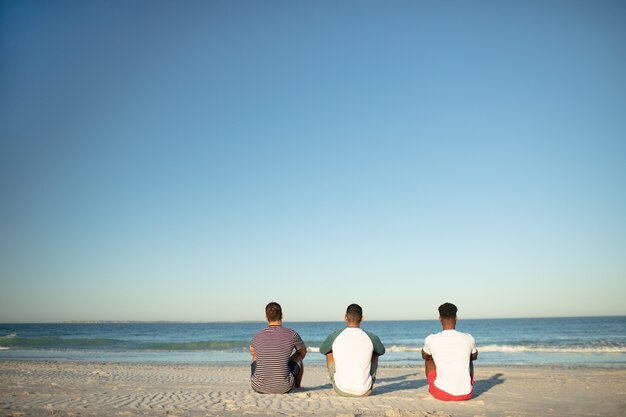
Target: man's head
{"x": 447, "y": 311}
{"x": 354, "y": 314}
{"x": 273, "y": 312}
{"x": 447, "y": 316}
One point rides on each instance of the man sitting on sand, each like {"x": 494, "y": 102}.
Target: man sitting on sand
{"x": 352, "y": 356}
{"x": 276, "y": 369}
{"x": 448, "y": 359}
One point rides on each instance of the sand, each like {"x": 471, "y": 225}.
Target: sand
{"x": 32, "y": 388}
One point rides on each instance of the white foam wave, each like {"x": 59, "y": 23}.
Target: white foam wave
{"x": 9, "y": 336}
{"x": 525, "y": 349}
{"x": 512, "y": 349}
{"x": 401, "y": 349}
{"x": 509, "y": 349}
{"x": 551, "y": 349}
{"x": 393, "y": 348}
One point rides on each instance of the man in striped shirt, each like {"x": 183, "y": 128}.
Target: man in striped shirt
{"x": 276, "y": 368}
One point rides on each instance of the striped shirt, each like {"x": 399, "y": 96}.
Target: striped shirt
{"x": 274, "y": 346}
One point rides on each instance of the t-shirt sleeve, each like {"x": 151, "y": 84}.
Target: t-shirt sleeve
{"x": 379, "y": 348}
{"x": 297, "y": 341}
{"x": 426, "y": 347}
{"x": 327, "y": 345}
{"x": 472, "y": 343}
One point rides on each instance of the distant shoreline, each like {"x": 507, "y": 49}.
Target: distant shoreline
{"x": 292, "y": 321}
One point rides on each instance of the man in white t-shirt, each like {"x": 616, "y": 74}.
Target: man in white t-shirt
{"x": 352, "y": 356}
{"x": 449, "y": 357}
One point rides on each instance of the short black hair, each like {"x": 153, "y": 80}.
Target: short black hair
{"x": 447, "y": 311}
{"x": 273, "y": 311}
{"x": 354, "y": 313}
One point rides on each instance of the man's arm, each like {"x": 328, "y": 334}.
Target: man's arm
{"x": 474, "y": 354}
{"x": 253, "y": 353}
{"x": 379, "y": 348}
{"x": 429, "y": 363}
{"x": 301, "y": 351}
{"x": 375, "y": 360}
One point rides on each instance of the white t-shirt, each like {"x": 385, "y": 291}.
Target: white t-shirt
{"x": 451, "y": 351}
{"x": 352, "y": 349}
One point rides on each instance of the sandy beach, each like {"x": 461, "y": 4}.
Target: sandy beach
{"x": 31, "y": 388}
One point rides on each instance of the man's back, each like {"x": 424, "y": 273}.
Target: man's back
{"x": 451, "y": 351}
{"x": 352, "y": 350}
{"x": 274, "y": 346}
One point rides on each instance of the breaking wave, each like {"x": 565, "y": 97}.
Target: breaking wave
{"x": 115, "y": 344}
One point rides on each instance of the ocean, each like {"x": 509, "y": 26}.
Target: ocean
{"x": 580, "y": 341}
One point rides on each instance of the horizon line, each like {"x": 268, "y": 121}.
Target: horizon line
{"x": 290, "y": 321}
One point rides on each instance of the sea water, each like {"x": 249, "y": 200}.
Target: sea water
{"x": 582, "y": 341}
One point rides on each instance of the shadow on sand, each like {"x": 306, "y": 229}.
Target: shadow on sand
{"x": 407, "y": 382}
{"x": 309, "y": 389}
{"x": 398, "y": 383}
{"x": 483, "y": 385}
{"x": 410, "y": 382}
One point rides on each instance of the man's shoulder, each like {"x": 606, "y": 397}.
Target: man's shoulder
{"x": 453, "y": 332}
{"x": 469, "y": 337}
{"x": 371, "y": 335}
{"x": 327, "y": 344}
{"x": 351, "y": 335}
{"x": 335, "y": 334}
{"x": 377, "y": 344}
{"x": 289, "y": 332}
{"x": 433, "y": 336}
{"x": 448, "y": 335}
{"x": 354, "y": 333}
{"x": 464, "y": 334}
{"x": 274, "y": 330}
{"x": 287, "y": 329}
{"x": 260, "y": 332}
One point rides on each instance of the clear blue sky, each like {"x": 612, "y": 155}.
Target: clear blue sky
{"x": 194, "y": 160}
